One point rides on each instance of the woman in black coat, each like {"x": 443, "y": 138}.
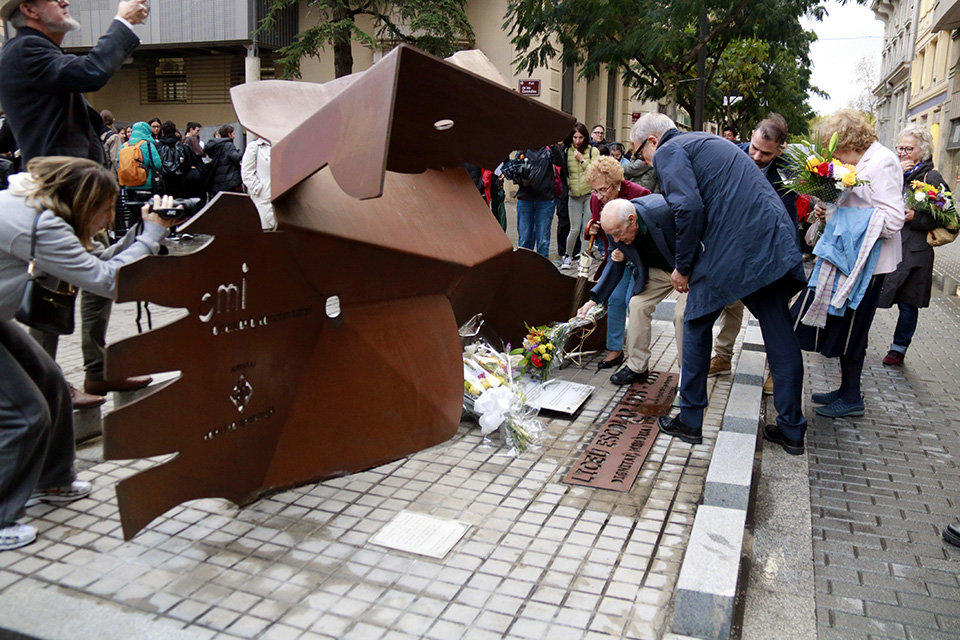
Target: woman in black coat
{"x": 909, "y": 286}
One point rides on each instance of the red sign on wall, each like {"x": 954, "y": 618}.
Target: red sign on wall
{"x": 529, "y": 87}
{"x": 635, "y": 116}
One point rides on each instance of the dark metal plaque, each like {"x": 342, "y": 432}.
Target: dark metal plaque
{"x": 613, "y": 458}
{"x": 655, "y": 396}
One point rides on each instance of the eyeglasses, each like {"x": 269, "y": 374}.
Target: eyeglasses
{"x": 902, "y": 150}
{"x": 606, "y": 189}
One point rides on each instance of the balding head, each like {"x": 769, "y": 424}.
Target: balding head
{"x": 619, "y": 220}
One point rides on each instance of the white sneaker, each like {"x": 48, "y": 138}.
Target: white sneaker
{"x": 61, "y": 495}
{"x": 567, "y": 262}
{"x": 16, "y": 536}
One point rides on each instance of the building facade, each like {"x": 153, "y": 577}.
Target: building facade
{"x": 929, "y": 73}
{"x": 893, "y": 90}
{"x": 946, "y": 20}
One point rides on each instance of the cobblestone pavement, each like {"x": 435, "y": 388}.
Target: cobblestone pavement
{"x": 541, "y": 559}
{"x": 883, "y": 486}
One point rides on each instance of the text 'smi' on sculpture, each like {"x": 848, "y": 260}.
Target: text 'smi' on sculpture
{"x": 275, "y": 388}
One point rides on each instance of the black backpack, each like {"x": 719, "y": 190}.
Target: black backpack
{"x": 174, "y": 161}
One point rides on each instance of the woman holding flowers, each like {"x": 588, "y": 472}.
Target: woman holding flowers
{"x": 878, "y": 198}
{"x": 909, "y": 286}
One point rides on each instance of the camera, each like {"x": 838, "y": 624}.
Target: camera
{"x": 182, "y": 208}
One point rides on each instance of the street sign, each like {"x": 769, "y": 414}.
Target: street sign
{"x": 529, "y": 87}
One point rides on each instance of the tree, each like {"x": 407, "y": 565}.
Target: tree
{"x": 436, "y": 26}
{"x": 865, "y": 79}
{"x": 654, "y": 45}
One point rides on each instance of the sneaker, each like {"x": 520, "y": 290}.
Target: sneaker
{"x": 718, "y": 367}
{"x": 15, "y": 536}
{"x": 61, "y": 495}
{"x": 893, "y": 358}
{"x": 952, "y": 534}
{"x": 567, "y": 262}
{"x": 768, "y": 386}
{"x": 840, "y": 408}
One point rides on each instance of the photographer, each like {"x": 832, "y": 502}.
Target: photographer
{"x": 69, "y": 199}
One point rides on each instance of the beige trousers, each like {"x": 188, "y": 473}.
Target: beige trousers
{"x": 642, "y": 305}
{"x": 730, "y": 320}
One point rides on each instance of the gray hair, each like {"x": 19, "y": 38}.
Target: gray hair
{"x": 924, "y": 139}
{"x": 650, "y": 124}
{"x": 619, "y": 208}
{"x": 17, "y": 19}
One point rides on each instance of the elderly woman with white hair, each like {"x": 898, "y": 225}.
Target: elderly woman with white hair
{"x": 909, "y": 286}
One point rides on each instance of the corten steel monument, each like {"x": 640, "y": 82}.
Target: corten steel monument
{"x": 276, "y": 389}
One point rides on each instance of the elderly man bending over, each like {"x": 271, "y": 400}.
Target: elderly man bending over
{"x": 643, "y": 233}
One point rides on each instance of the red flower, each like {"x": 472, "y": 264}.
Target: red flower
{"x": 824, "y": 169}
{"x": 536, "y": 361}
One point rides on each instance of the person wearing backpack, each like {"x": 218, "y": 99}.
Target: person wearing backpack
{"x": 535, "y": 200}
{"x": 139, "y": 164}
{"x": 175, "y": 162}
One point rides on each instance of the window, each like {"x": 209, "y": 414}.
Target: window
{"x": 167, "y": 81}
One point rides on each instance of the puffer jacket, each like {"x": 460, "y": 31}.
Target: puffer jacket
{"x": 575, "y": 182}
{"x": 225, "y": 158}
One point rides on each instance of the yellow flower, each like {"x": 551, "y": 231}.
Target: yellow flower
{"x": 812, "y": 163}
{"x": 849, "y": 179}
{"x": 542, "y": 348}
{"x": 546, "y": 357}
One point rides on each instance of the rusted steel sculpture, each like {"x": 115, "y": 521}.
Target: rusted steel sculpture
{"x": 374, "y": 210}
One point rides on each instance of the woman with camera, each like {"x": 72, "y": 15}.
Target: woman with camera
{"x": 49, "y": 215}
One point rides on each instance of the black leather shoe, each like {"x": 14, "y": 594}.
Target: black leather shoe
{"x": 772, "y": 433}
{"x": 610, "y": 364}
{"x": 952, "y": 534}
{"x": 673, "y": 427}
{"x": 628, "y": 376}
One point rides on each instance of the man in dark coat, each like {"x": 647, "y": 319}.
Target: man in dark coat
{"x": 765, "y": 148}
{"x": 41, "y": 89}
{"x": 642, "y": 231}
{"x": 735, "y": 241}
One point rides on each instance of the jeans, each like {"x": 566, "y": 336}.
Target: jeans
{"x": 579, "y": 210}
{"x": 906, "y": 327}
{"x": 617, "y": 311}
{"x": 534, "y": 218}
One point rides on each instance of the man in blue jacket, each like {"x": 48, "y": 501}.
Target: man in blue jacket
{"x": 643, "y": 233}
{"x": 41, "y": 89}
{"x": 735, "y": 241}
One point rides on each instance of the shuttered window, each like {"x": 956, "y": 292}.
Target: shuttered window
{"x": 202, "y": 79}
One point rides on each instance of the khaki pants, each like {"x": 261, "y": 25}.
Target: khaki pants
{"x": 730, "y": 320}
{"x": 637, "y": 342}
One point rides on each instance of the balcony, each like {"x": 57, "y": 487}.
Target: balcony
{"x": 946, "y": 15}
{"x": 883, "y": 9}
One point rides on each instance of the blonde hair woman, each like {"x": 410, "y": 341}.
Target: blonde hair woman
{"x": 66, "y": 201}
{"x": 845, "y": 336}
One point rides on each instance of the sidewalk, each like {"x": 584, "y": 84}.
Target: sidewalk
{"x": 541, "y": 559}
{"x": 874, "y": 493}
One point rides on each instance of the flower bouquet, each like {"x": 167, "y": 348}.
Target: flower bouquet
{"x": 936, "y": 201}
{"x": 539, "y": 351}
{"x": 493, "y": 395}
{"x": 812, "y": 170}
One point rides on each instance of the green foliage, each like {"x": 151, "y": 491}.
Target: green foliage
{"x": 654, "y": 45}
{"x": 439, "y": 27}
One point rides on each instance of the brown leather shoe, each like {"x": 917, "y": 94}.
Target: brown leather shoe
{"x": 83, "y": 400}
{"x": 718, "y": 367}
{"x": 101, "y": 387}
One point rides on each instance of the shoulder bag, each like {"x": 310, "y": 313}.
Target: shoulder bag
{"x": 43, "y": 308}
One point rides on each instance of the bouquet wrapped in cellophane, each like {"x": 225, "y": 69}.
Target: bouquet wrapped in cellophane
{"x": 936, "y": 201}
{"x": 493, "y": 394}
{"x": 811, "y": 169}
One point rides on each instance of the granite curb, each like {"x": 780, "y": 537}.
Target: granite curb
{"x": 706, "y": 590}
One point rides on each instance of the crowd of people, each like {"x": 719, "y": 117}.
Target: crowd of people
{"x": 686, "y": 212}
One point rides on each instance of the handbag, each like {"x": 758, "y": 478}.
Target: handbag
{"x": 940, "y": 236}
{"x": 43, "y": 308}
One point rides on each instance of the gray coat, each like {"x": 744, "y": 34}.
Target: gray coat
{"x": 59, "y": 253}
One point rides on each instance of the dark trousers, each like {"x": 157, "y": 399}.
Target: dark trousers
{"x": 94, "y": 320}
{"x": 36, "y": 422}
{"x": 770, "y": 306}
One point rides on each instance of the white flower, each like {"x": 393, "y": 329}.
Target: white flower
{"x": 841, "y": 186}
{"x": 839, "y": 171}
{"x": 920, "y": 196}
